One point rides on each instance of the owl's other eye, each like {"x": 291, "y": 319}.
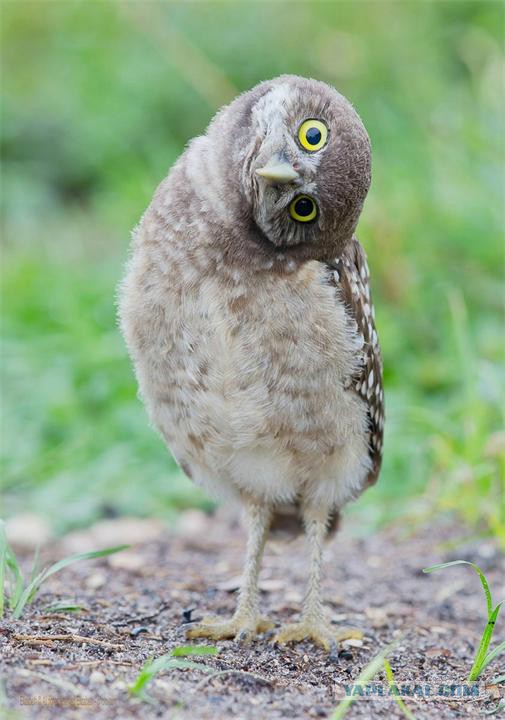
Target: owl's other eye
{"x": 303, "y": 209}
{"x": 312, "y": 135}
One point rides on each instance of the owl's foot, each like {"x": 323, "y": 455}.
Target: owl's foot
{"x": 240, "y": 627}
{"x": 319, "y": 630}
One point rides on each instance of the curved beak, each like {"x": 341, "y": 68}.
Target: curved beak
{"x": 278, "y": 170}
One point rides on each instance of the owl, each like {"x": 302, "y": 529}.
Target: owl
{"x": 247, "y": 313}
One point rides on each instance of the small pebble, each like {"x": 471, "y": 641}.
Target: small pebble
{"x": 339, "y": 618}
{"x": 97, "y": 678}
{"x": 96, "y": 580}
{"x": 127, "y": 560}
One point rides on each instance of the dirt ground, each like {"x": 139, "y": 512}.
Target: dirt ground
{"x": 136, "y": 603}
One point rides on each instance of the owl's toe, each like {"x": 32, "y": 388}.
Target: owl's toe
{"x": 243, "y": 629}
{"x": 319, "y": 631}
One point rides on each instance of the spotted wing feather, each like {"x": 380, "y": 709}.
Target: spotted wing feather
{"x": 350, "y": 275}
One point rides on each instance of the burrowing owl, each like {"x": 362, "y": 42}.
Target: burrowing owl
{"x": 246, "y": 309}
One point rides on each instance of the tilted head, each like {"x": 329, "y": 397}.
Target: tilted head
{"x": 295, "y": 159}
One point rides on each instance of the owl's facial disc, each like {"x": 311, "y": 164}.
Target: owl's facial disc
{"x": 286, "y": 175}
{"x": 305, "y": 168}
{"x": 287, "y": 186}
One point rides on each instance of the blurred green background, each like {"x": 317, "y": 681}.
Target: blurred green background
{"x": 99, "y": 99}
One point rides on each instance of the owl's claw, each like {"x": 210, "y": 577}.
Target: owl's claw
{"x": 242, "y": 628}
{"x": 319, "y": 631}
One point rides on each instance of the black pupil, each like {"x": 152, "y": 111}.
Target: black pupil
{"x": 313, "y": 136}
{"x": 304, "y": 207}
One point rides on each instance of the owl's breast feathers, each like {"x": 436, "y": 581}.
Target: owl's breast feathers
{"x": 258, "y": 381}
{"x": 350, "y": 276}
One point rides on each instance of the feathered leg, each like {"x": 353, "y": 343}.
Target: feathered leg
{"x": 313, "y": 624}
{"x": 246, "y": 622}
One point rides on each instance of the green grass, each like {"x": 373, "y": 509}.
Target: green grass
{"x": 64, "y": 607}
{"x": 393, "y": 688}
{"x": 90, "y": 126}
{"x": 17, "y": 591}
{"x": 170, "y": 661}
{"x": 366, "y": 675}
{"x": 482, "y": 656}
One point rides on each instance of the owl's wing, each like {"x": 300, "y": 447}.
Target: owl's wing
{"x": 349, "y": 274}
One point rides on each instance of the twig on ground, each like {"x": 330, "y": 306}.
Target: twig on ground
{"x": 141, "y": 618}
{"x": 48, "y": 639}
{"x": 76, "y": 664}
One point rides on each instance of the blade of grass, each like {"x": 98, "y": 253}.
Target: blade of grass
{"x": 477, "y": 666}
{"x": 497, "y": 680}
{"x": 34, "y": 586}
{"x": 479, "y": 572}
{"x": 365, "y": 676}
{"x": 194, "y": 650}
{"x": 169, "y": 662}
{"x": 482, "y": 659}
{"x": 63, "y": 607}
{"x": 498, "y": 650}
{"x": 35, "y": 569}
{"x": 16, "y": 581}
{"x": 398, "y": 699}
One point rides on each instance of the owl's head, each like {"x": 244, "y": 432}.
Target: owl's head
{"x": 298, "y": 156}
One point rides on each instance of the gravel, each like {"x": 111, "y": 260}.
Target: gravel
{"x": 138, "y": 602}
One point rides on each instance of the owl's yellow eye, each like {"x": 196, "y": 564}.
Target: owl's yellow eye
{"x": 313, "y": 135}
{"x": 303, "y": 209}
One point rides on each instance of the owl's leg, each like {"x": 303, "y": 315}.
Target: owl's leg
{"x": 313, "y": 624}
{"x": 246, "y": 622}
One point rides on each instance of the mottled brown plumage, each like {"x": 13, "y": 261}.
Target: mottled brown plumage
{"x": 247, "y": 313}
{"x": 351, "y": 277}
